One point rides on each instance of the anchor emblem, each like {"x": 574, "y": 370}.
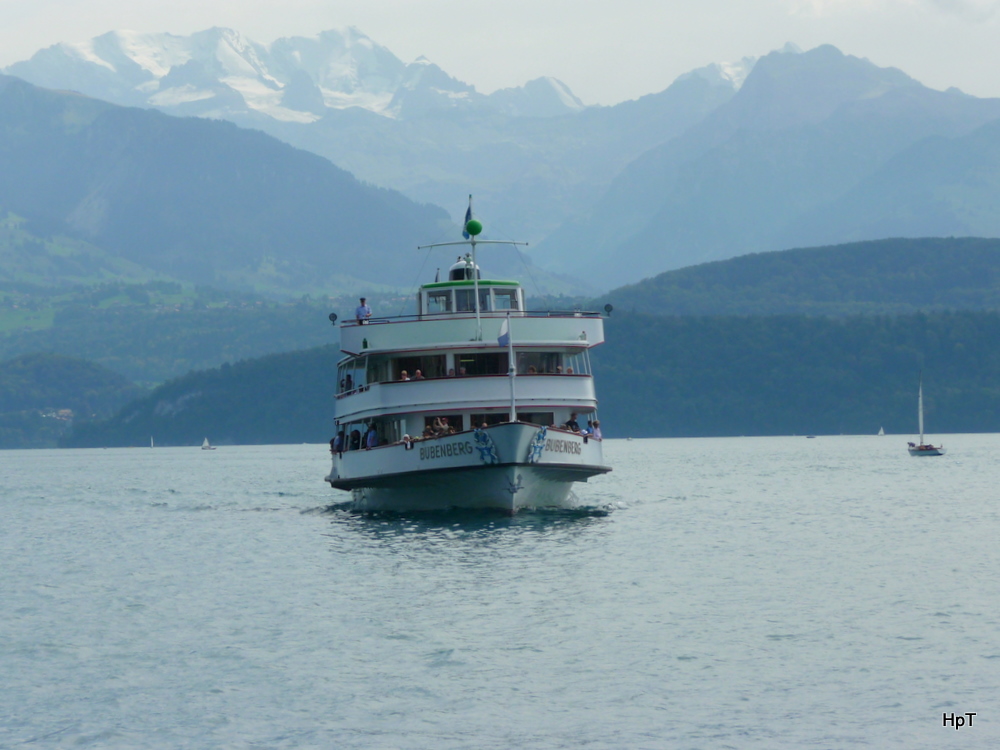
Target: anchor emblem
{"x": 512, "y": 488}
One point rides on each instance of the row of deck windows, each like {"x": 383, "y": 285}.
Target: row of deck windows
{"x": 382, "y": 369}
{"x": 355, "y": 436}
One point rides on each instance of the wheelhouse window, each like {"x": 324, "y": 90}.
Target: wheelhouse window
{"x": 465, "y": 300}
{"x": 505, "y": 299}
{"x": 439, "y": 302}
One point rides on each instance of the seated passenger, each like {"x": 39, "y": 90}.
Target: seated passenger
{"x": 403, "y": 375}
{"x": 418, "y": 375}
{"x": 572, "y": 424}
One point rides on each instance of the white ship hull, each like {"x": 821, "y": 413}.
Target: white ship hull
{"x": 505, "y": 467}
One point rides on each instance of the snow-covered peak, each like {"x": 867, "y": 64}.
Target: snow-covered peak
{"x": 729, "y": 74}
{"x": 220, "y": 73}
{"x": 733, "y": 74}
{"x": 542, "y": 97}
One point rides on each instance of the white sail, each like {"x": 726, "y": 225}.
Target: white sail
{"x": 920, "y": 410}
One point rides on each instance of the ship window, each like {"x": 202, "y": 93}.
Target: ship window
{"x": 430, "y": 366}
{"x": 354, "y": 437}
{"x": 390, "y": 431}
{"x": 432, "y": 424}
{"x": 505, "y": 299}
{"x": 351, "y": 375}
{"x": 482, "y": 364}
{"x": 379, "y": 369}
{"x": 465, "y": 300}
{"x": 478, "y": 420}
{"x": 544, "y": 418}
{"x": 540, "y": 363}
{"x": 577, "y": 364}
{"x": 462, "y": 271}
{"x": 439, "y": 302}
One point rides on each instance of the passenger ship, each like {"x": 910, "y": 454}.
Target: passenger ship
{"x": 470, "y": 403}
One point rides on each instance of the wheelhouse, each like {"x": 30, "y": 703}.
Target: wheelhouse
{"x": 458, "y": 293}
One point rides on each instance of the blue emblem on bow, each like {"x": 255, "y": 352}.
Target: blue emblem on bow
{"x": 486, "y": 447}
{"x": 537, "y": 446}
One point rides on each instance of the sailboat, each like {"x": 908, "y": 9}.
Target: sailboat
{"x": 922, "y": 448}
{"x": 206, "y": 446}
{"x": 881, "y": 432}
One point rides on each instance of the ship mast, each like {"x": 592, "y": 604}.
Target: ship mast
{"x": 470, "y": 230}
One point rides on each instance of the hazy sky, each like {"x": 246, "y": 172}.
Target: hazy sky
{"x": 606, "y": 51}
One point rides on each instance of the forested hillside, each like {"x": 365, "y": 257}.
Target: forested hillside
{"x": 42, "y": 394}
{"x": 281, "y": 398}
{"x": 894, "y": 276}
{"x": 784, "y": 375}
{"x": 156, "y": 331}
{"x": 656, "y": 377}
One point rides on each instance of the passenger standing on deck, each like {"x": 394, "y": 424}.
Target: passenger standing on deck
{"x": 363, "y": 312}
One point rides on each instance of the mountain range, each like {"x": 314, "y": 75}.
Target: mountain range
{"x": 816, "y": 148}
{"x": 534, "y": 154}
{"x": 220, "y": 73}
{"x": 193, "y": 199}
{"x": 789, "y": 150}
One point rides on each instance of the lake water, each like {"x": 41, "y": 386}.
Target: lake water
{"x": 716, "y": 593}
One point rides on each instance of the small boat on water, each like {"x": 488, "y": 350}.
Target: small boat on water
{"x": 471, "y": 403}
{"x": 881, "y": 432}
{"x": 922, "y": 448}
{"x": 206, "y": 446}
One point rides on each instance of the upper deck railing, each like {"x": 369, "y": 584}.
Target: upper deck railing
{"x": 462, "y": 314}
